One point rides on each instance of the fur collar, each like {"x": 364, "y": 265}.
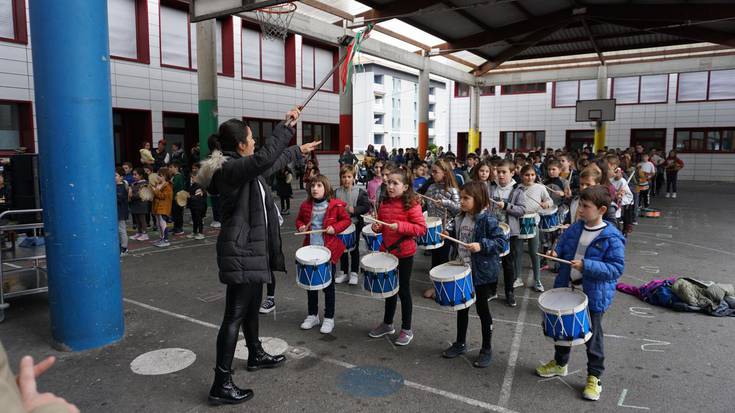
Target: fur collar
{"x": 209, "y": 167}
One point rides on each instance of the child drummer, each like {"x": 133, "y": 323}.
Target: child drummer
{"x": 596, "y": 250}
{"x": 485, "y": 242}
{"x": 358, "y": 204}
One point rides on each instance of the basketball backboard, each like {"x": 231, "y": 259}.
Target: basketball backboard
{"x": 200, "y": 10}
{"x": 595, "y": 110}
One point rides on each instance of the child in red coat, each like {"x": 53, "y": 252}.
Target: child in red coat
{"x": 402, "y": 212}
{"x": 322, "y": 211}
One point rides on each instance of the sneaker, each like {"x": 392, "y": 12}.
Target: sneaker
{"x": 327, "y": 326}
{"x": 123, "y": 252}
{"x": 269, "y": 304}
{"x": 215, "y": 224}
{"x": 673, "y": 195}
{"x": 310, "y": 322}
{"x": 199, "y": 236}
{"x": 143, "y": 237}
{"x": 484, "y": 359}
{"x": 179, "y": 232}
{"x": 381, "y": 330}
{"x": 538, "y": 287}
{"x": 635, "y": 222}
{"x": 340, "y": 277}
{"x": 135, "y": 237}
{"x": 552, "y": 369}
{"x": 518, "y": 283}
{"x": 668, "y": 195}
{"x": 404, "y": 338}
{"x": 593, "y": 388}
{"x": 493, "y": 296}
{"x": 510, "y": 299}
{"x": 162, "y": 243}
{"x": 353, "y": 278}
{"x": 455, "y": 350}
{"x": 191, "y": 235}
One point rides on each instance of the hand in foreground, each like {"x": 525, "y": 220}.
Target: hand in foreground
{"x": 26, "y": 380}
{"x": 578, "y": 265}
{"x": 302, "y": 228}
{"x": 330, "y": 230}
{"x": 376, "y": 228}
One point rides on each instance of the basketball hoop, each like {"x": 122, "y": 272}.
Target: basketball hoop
{"x": 275, "y": 20}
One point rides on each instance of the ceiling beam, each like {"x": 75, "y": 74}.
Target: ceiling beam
{"x": 592, "y": 40}
{"x": 395, "y": 10}
{"x": 518, "y": 6}
{"x": 467, "y": 15}
{"x": 696, "y": 33}
{"x": 512, "y": 51}
{"x": 509, "y": 31}
{"x": 658, "y": 12}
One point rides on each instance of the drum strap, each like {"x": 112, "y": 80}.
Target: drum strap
{"x": 396, "y": 246}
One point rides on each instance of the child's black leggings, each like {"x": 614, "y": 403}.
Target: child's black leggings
{"x": 405, "y": 266}
{"x": 482, "y": 293}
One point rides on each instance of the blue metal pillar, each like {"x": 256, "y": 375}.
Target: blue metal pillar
{"x": 71, "y": 76}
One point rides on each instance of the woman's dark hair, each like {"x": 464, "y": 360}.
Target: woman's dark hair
{"x": 141, "y": 173}
{"x": 230, "y": 134}
{"x": 478, "y": 192}
{"x": 604, "y": 170}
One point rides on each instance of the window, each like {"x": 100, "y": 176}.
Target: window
{"x": 578, "y": 139}
{"x": 378, "y": 119}
{"x": 396, "y": 114}
{"x": 566, "y": 94}
{"x": 460, "y": 90}
{"x": 13, "y": 21}
{"x": 431, "y": 124}
{"x": 396, "y": 141}
{"x": 268, "y": 60}
{"x": 522, "y": 140}
{"x": 432, "y": 91}
{"x": 316, "y": 62}
{"x": 648, "y": 138}
{"x": 328, "y": 133}
{"x": 16, "y": 126}
{"x": 225, "y": 45}
{"x": 705, "y": 140}
{"x": 523, "y": 88}
{"x": 641, "y": 89}
{"x": 702, "y": 86}
{"x": 487, "y": 90}
{"x": 178, "y": 38}
{"x": 396, "y": 85}
{"x": 378, "y": 79}
{"x": 262, "y": 129}
{"x": 128, "y": 29}
{"x": 432, "y": 107}
{"x": 378, "y": 139}
{"x": 379, "y": 100}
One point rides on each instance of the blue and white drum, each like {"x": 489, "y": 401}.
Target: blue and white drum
{"x": 528, "y": 226}
{"x": 348, "y": 238}
{"x": 381, "y": 274}
{"x": 506, "y": 235}
{"x": 313, "y": 269}
{"x": 549, "y": 221}
{"x": 453, "y": 285}
{"x": 431, "y": 240}
{"x": 372, "y": 240}
{"x": 566, "y": 316}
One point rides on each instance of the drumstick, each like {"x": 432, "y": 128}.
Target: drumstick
{"x": 375, "y": 220}
{"x": 426, "y": 197}
{"x": 316, "y": 231}
{"x": 630, "y": 177}
{"x": 554, "y": 258}
{"x": 464, "y": 244}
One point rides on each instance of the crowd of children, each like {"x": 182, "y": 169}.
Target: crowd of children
{"x": 596, "y": 199}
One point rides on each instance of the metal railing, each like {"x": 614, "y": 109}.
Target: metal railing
{"x": 35, "y": 259}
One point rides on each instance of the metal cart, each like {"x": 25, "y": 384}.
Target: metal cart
{"x": 34, "y": 258}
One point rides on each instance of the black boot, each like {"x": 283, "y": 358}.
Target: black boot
{"x": 510, "y": 299}
{"x": 224, "y": 391}
{"x": 259, "y": 359}
{"x": 455, "y": 350}
{"x": 486, "y": 356}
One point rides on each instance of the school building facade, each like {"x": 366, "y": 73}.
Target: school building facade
{"x": 693, "y": 112}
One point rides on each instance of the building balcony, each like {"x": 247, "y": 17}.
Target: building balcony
{"x": 378, "y": 128}
{"x": 432, "y": 115}
{"x": 378, "y": 108}
{"x": 432, "y": 98}
{"x": 378, "y": 88}
{"x": 432, "y": 132}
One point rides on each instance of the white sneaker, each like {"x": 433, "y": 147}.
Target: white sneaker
{"x": 353, "y": 278}
{"x": 668, "y": 195}
{"x": 143, "y": 237}
{"x": 215, "y": 224}
{"x": 673, "y": 195}
{"x": 310, "y": 322}
{"x": 518, "y": 283}
{"x": 199, "y": 236}
{"x": 190, "y": 235}
{"x": 340, "y": 278}
{"x": 327, "y": 326}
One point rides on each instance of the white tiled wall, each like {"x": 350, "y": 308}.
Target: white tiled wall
{"x": 534, "y": 112}
{"x": 151, "y": 87}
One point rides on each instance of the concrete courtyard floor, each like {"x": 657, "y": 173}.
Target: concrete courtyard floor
{"x": 656, "y": 359}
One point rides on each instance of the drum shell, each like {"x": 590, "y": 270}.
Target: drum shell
{"x": 456, "y": 292}
{"x": 527, "y": 226}
{"x": 568, "y": 326}
{"x": 431, "y": 240}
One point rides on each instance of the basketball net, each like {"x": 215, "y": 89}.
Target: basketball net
{"x": 275, "y": 20}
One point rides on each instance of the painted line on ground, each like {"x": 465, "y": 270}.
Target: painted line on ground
{"x": 515, "y": 348}
{"x": 654, "y": 236}
{"x": 407, "y": 383}
{"x": 622, "y": 399}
